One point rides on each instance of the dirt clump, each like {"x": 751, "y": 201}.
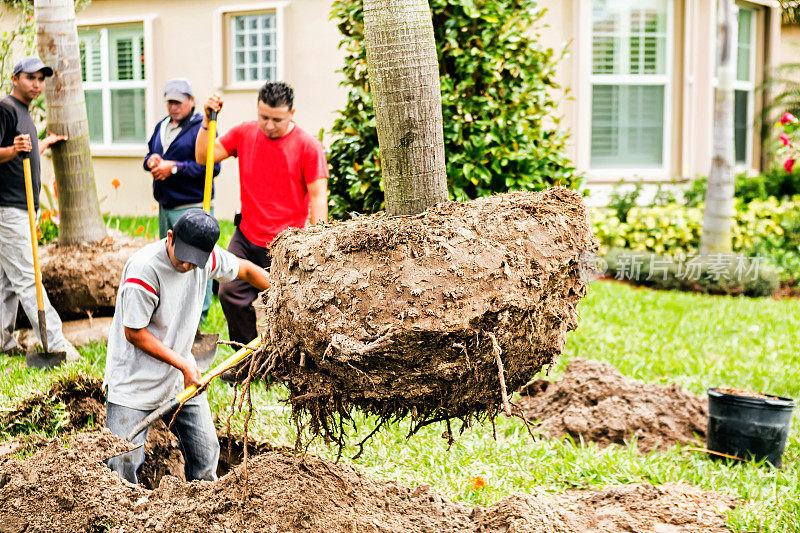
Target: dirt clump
{"x": 644, "y": 508}
{"x": 69, "y": 489}
{"x": 72, "y": 404}
{"x": 595, "y": 402}
{"x": 84, "y": 278}
{"x": 402, "y": 316}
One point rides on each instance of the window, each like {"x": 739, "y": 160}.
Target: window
{"x": 112, "y": 67}
{"x": 254, "y": 47}
{"x": 630, "y": 83}
{"x": 744, "y": 87}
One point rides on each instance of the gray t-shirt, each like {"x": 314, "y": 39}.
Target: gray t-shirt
{"x": 153, "y": 295}
{"x": 15, "y": 120}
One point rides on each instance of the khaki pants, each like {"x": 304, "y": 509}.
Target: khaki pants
{"x": 18, "y": 283}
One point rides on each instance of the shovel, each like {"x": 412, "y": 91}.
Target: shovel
{"x": 204, "y": 342}
{"x": 189, "y": 393}
{"x": 204, "y": 349}
{"x": 44, "y": 359}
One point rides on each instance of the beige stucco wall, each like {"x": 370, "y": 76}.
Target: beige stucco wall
{"x": 186, "y": 42}
{"x": 690, "y": 118}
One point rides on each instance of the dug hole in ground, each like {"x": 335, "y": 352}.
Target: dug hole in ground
{"x": 447, "y": 298}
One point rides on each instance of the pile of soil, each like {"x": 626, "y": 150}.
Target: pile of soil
{"x": 402, "y": 316}
{"x": 84, "y": 278}
{"x": 68, "y": 489}
{"x": 595, "y": 402}
{"x": 77, "y": 404}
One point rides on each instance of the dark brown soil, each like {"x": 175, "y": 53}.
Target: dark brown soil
{"x": 596, "y": 403}
{"x": 746, "y": 394}
{"x": 68, "y": 489}
{"x": 84, "y": 278}
{"x": 408, "y": 316}
{"x": 78, "y": 404}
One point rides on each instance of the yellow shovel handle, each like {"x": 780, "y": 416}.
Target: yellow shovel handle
{"x": 26, "y": 168}
{"x": 240, "y": 354}
{"x": 212, "y": 138}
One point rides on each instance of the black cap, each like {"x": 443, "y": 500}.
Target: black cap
{"x": 195, "y": 235}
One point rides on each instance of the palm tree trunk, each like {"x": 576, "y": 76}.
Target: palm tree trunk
{"x": 404, "y": 80}
{"x": 57, "y": 43}
{"x": 719, "y": 211}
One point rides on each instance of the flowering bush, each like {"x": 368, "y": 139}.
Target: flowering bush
{"x": 790, "y": 139}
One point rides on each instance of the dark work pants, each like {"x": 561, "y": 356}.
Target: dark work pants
{"x": 236, "y": 297}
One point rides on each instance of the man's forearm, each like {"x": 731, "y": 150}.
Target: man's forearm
{"x": 201, "y": 146}
{"x": 7, "y": 154}
{"x": 253, "y": 274}
{"x": 318, "y": 209}
{"x": 152, "y": 346}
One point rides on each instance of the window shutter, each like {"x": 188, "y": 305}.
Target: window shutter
{"x": 124, "y": 55}
{"x": 91, "y": 59}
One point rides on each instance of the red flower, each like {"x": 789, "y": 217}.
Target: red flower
{"x": 789, "y": 165}
{"x": 785, "y": 138}
{"x": 787, "y": 118}
{"x": 138, "y": 230}
{"x": 115, "y": 183}
{"x": 476, "y": 483}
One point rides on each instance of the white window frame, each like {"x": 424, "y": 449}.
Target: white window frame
{"x": 747, "y": 165}
{"x": 224, "y": 78}
{"x": 108, "y": 147}
{"x": 749, "y": 86}
{"x": 584, "y": 26}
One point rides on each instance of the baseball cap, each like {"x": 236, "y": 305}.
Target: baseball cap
{"x": 195, "y": 234}
{"x": 178, "y": 89}
{"x": 31, "y": 64}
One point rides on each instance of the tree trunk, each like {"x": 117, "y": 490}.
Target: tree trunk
{"x": 719, "y": 210}
{"x": 404, "y": 80}
{"x": 57, "y": 43}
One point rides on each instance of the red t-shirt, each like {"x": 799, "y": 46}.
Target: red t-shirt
{"x": 273, "y": 174}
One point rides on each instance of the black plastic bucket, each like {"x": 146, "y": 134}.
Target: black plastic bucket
{"x": 748, "y": 428}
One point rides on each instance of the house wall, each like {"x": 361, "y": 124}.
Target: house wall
{"x": 185, "y": 38}
{"x": 187, "y": 42}
{"x": 690, "y": 110}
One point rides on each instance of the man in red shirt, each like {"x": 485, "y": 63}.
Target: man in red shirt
{"x": 283, "y": 183}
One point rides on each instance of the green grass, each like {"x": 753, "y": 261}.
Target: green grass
{"x": 658, "y": 337}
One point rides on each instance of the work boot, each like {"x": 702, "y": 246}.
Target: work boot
{"x": 15, "y": 351}
{"x": 72, "y": 354}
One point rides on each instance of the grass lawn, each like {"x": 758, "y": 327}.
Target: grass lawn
{"x": 658, "y": 337}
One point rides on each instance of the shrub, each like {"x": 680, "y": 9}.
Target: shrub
{"x": 729, "y": 274}
{"x": 501, "y": 123}
{"x": 767, "y": 228}
{"x": 776, "y": 183}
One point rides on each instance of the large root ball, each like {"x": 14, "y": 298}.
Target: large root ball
{"x": 84, "y": 278}
{"x": 404, "y": 316}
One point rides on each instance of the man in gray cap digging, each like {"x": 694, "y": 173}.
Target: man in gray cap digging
{"x": 149, "y": 345}
{"x": 17, "y": 278}
{"x": 178, "y": 181}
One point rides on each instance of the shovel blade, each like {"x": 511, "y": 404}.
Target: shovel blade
{"x": 45, "y": 360}
{"x": 204, "y": 349}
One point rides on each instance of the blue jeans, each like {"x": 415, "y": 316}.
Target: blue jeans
{"x": 193, "y": 426}
{"x": 166, "y": 221}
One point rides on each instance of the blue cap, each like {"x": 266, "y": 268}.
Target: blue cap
{"x": 31, "y": 64}
{"x": 178, "y": 89}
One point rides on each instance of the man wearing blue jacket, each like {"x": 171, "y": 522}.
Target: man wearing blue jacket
{"x": 178, "y": 181}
